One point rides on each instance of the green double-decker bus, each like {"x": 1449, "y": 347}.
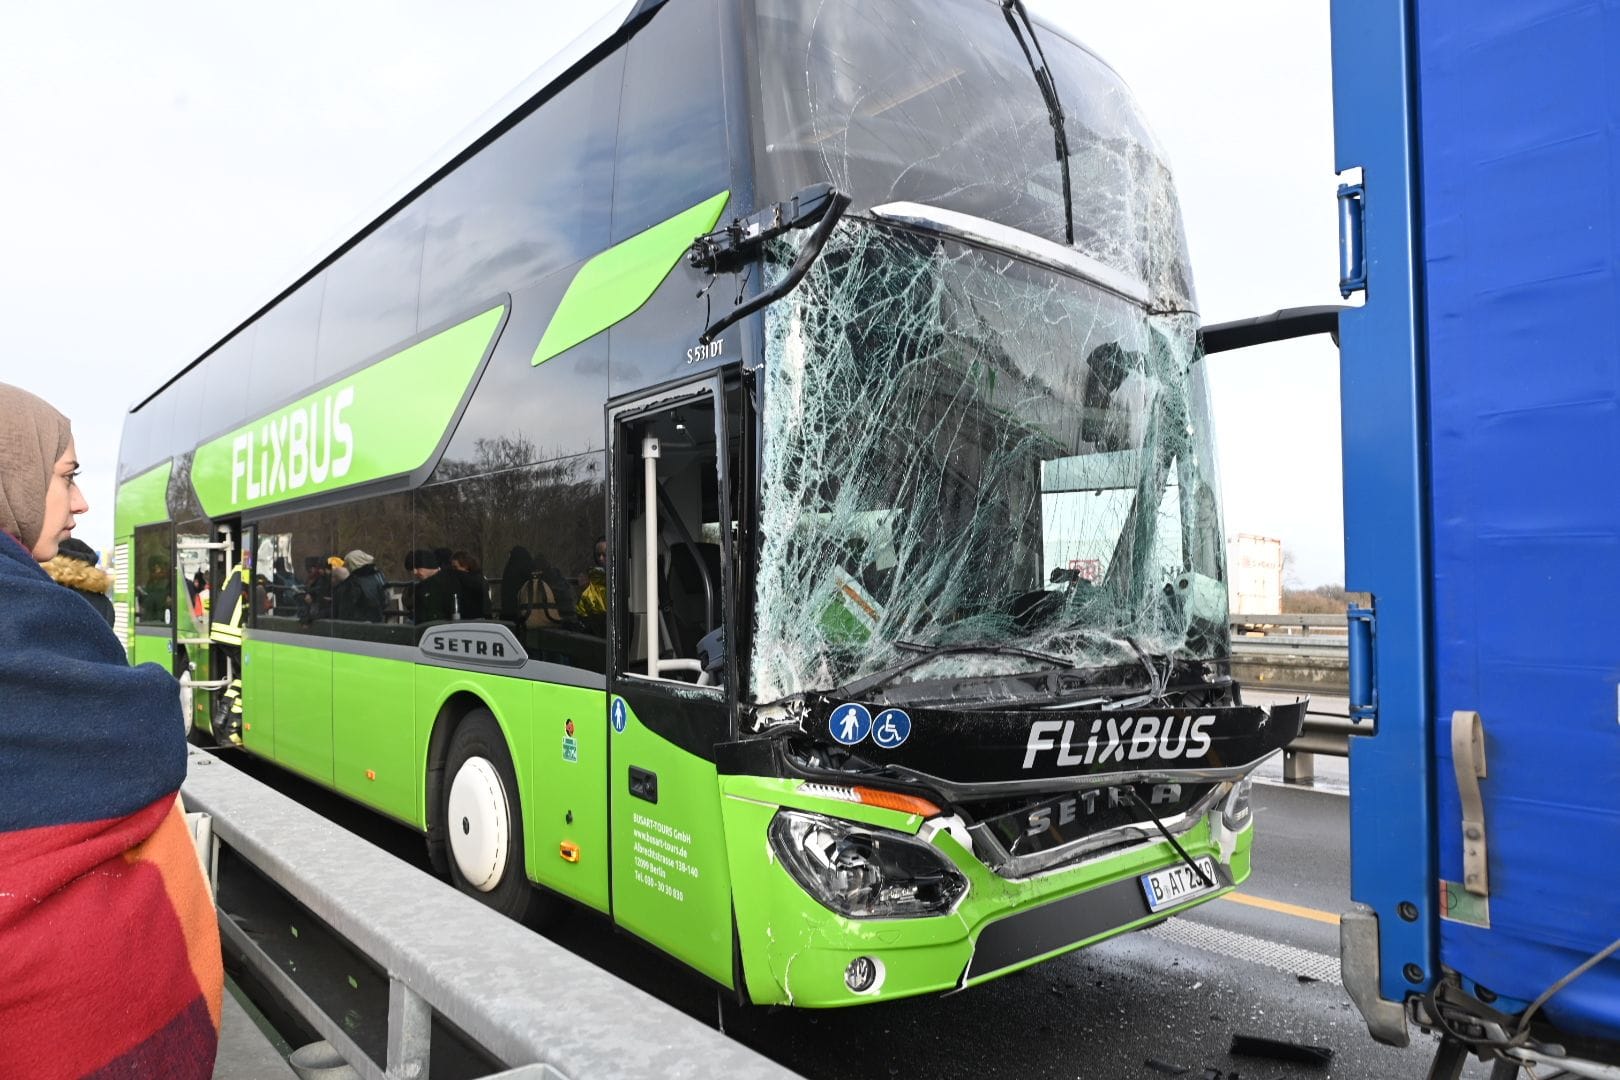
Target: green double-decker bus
{"x": 761, "y": 487}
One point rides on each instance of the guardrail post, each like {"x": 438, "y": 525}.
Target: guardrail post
{"x": 410, "y": 1032}
{"x": 1299, "y": 767}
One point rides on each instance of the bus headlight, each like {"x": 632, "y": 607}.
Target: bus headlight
{"x": 1236, "y": 812}
{"x": 865, "y": 873}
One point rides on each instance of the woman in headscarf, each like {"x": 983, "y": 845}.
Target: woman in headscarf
{"x": 109, "y": 952}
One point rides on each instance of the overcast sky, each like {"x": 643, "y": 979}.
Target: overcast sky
{"x": 169, "y": 166}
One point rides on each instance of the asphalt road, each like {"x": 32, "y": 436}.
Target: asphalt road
{"x": 1263, "y": 961}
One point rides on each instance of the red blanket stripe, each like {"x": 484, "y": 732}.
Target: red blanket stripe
{"x": 109, "y": 942}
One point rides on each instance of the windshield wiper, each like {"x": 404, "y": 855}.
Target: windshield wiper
{"x": 925, "y": 653}
{"x": 1158, "y": 684}
{"x": 1054, "y": 108}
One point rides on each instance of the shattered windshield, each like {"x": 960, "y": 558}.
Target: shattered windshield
{"x": 964, "y": 450}
{"x": 935, "y": 102}
{"x": 961, "y": 448}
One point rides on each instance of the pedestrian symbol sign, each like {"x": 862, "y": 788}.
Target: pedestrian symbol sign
{"x": 620, "y": 715}
{"x": 850, "y": 723}
{"x": 890, "y": 728}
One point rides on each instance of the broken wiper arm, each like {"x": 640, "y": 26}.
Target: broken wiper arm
{"x": 1158, "y": 684}
{"x": 1141, "y": 804}
{"x": 998, "y": 650}
{"x": 1054, "y": 108}
{"x": 821, "y": 204}
{"x": 926, "y": 653}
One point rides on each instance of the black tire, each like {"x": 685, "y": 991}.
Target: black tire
{"x": 500, "y": 882}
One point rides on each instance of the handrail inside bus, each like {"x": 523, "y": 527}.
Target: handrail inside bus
{"x": 685, "y": 536}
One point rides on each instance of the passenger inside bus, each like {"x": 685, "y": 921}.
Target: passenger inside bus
{"x": 434, "y": 596}
{"x": 155, "y": 599}
{"x": 360, "y": 596}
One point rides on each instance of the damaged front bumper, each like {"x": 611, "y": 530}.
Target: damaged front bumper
{"x": 797, "y": 952}
{"x": 1017, "y": 904}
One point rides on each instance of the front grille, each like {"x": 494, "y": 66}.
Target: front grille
{"x": 1019, "y": 837}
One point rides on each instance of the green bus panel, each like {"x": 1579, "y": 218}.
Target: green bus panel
{"x": 374, "y": 756}
{"x": 200, "y": 702}
{"x": 358, "y": 429}
{"x": 615, "y": 283}
{"x": 671, "y": 880}
{"x": 259, "y": 697}
{"x": 569, "y": 785}
{"x": 141, "y": 500}
{"x": 302, "y": 678}
{"x": 152, "y": 647}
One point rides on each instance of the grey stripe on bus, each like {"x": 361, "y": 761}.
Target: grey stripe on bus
{"x": 534, "y": 670}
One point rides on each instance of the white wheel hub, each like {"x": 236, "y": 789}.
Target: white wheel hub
{"x": 479, "y": 821}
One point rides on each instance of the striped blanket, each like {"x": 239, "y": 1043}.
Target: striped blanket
{"x": 109, "y": 953}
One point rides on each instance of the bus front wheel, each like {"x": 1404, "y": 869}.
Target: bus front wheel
{"x": 483, "y": 820}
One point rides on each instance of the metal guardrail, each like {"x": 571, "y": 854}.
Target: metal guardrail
{"x": 1304, "y": 621}
{"x": 1313, "y": 647}
{"x": 522, "y": 1000}
{"x": 1306, "y": 662}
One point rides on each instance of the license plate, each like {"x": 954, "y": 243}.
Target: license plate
{"x": 1177, "y": 884}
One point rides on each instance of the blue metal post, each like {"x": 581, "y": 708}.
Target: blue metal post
{"x": 1392, "y": 852}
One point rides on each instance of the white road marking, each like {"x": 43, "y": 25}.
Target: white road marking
{"x": 1230, "y": 943}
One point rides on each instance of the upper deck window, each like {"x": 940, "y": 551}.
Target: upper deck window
{"x": 672, "y": 125}
{"x": 933, "y": 101}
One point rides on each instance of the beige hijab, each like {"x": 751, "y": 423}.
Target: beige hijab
{"x": 33, "y": 437}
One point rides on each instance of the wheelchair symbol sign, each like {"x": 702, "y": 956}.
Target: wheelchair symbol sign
{"x": 890, "y": 728}
{"x": 850, "y": 724}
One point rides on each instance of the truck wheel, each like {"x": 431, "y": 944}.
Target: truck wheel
{"x": 483, "y": 821}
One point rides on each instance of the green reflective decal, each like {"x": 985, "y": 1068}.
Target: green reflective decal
{"x": 381, "y": 421}
{"x": 142, "y": 500}
{"x": 614, "y": 284}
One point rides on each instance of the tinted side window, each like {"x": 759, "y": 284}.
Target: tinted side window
{"x": 524, "y": 540}
{"x": 371, "y": 590}
{"x": 153, "y": 572}
{"x": 521, "y": 413}
{"x": 135, "y": 443}
{"x": 225, "y": 384}
{"x": 284, "y": 347}
{"x": 537, "y": 198}
{"x": 371, "y": 293}
{"x": 293, "y": 555}
{"x": 190, "y": 411}
{"x": 672, "y": 122}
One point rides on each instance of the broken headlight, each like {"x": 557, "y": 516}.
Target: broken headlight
{"x": 865, "y": 873}
{"x": 1237, "y": 811}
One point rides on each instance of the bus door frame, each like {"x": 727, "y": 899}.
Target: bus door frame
{"x": 683, "y": 724}
{"x": 227, "y": 538}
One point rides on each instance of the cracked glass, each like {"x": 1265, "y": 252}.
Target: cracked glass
{"x": 965, "y": 447}
{"x": 933, "y": 101}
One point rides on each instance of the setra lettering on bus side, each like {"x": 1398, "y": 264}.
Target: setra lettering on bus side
{"x": 462, "y": 646}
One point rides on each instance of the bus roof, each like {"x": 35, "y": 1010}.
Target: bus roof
{"x": 553, "y": 71}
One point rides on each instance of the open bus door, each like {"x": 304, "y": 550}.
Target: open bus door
{"x": 670, "y": 686}
{"x": 208, "y": 666}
